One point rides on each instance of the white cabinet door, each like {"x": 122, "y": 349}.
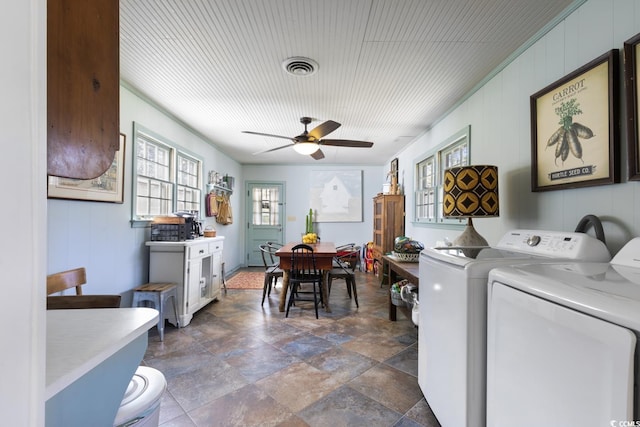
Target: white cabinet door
{"x": 194, "y": 285}
{"x": 216, "y": 268}
{"x": 216, "y": 277}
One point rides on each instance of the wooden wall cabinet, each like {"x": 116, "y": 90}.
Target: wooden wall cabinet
{"x": 83, "y": 87}
{"x": 388, "y": 223}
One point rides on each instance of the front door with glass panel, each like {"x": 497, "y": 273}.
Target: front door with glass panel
{"x": 265, "y": 217}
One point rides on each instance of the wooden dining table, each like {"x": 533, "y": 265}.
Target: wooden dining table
{"x": 324, "y": 253}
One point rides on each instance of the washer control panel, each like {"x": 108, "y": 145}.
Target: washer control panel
{"x": 533, "y": 240}
{"x": 556, "y": 244}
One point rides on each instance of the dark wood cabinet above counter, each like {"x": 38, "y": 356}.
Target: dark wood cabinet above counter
{"x": 83, "y": 93}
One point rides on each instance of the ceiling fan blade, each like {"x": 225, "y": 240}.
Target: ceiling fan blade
{"x": 318, "y": 154}
{"x": 268, "y": 134}
{"x": 324, "y": 129}
{"x": 274, "y": 149}
{"x": 346, "y": 143}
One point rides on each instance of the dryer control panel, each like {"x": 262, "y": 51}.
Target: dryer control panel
{"x": 556, "y": 244}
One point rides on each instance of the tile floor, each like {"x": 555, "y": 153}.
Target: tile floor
{"x": 240, "y": 364}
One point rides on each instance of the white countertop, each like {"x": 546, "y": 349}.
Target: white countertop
{"x": 79, "y": 340}
{"x": 185, "y": 242}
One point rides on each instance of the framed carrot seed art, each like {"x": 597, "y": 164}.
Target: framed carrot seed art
{"x": 631, "y": 67}
{"x": 574, "y": 132}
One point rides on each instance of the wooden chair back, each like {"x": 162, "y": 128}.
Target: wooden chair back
{"x": 75, "y": 278}
{"x": 65, "y": 302}
{"x": 58, "y": 282}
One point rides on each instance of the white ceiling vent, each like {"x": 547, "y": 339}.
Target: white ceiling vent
{"x": 300, "y": 66}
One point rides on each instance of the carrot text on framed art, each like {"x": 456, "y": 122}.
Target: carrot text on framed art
{"x": 574, "y": 132}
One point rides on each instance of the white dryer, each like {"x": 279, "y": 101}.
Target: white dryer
{"x": 453, "y": 310}
{"x": 562, "y": 343}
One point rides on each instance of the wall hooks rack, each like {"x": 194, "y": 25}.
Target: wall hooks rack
{"x": 219, "y": 183}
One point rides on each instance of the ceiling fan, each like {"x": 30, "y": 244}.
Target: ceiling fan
{"x": 310, "y": 142}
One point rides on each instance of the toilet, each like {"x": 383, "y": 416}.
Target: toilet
{"x": 141, "y": 403}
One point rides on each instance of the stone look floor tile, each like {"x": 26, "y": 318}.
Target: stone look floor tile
{"x": 240, "y": 363}
{"x": 170, "y": 409}
{"x": 421, "y": 413}
{"x": 260, "y": 362}
{"x": 181, "y": 361}
{"x": 201, "y": 386}
{"x": 307, "y": 346}
{"x": 346, "y": 407}
{"x": 298, "y": 385}
{"x": 342, "y": 364}
{"x": 181, "y": 421}
{"x": 248, "y": 406}
{"x": 406, "y": 360}
{"x": 392, "y": 388}
{"x": 376, "y": 346}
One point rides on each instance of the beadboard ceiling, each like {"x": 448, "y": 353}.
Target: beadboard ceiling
{"x": 387, "y": 68}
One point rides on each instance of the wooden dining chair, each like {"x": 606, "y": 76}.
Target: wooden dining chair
{"x": 62, "y": 281}
{"x": 75, "y": 278}
{"x": 303, "y": 271}
{"x": 64, "y": 302}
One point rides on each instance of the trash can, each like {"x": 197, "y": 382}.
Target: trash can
{"x": 141, "y": 404}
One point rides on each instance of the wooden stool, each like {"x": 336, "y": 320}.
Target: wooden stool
{"x": 157, "y": 293}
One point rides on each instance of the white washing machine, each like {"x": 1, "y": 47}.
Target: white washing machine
{"x": 453, "y": 310}
{"x": 562, "y": 343}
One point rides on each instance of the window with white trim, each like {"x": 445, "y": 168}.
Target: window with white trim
{"x": 266, "y": 209}
{"x": 426, "y": 189}
{"x": 188, "y": 183}
{"x": 429, "y": 173}
{"x": 167, "y": 179}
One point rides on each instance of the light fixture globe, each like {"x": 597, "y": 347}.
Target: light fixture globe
{"x": 306, "y": 147}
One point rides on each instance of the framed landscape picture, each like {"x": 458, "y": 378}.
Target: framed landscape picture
{"x": 108, "y": 187}
{"x": 574, "y": 132}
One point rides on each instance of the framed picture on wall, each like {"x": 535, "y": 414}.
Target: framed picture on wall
{"x": 574, "y": 132}
{"x": 394, "y": 169}
{"x": 108, "y": 187}
{"x": 631, "y": 67}
{"x": 336, "y": 195}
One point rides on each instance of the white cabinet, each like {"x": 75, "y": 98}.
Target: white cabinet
{"x": 194, "y": 266}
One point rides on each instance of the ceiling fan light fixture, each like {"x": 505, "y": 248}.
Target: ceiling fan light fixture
{"x": 306, "y": 148}
{"x": 300, "y": 66}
